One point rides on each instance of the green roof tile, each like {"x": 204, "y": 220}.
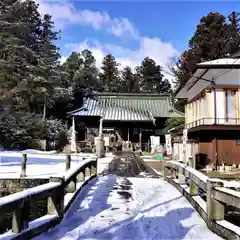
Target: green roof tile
{"x": 128, "y": 107}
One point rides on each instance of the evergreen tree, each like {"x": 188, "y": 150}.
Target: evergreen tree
{"x": 50, "y": 88}
{"x": 19, "y": 26}
{"x": 86, "y": 76}
{"x": 233, "y": 32}
{"x": 109, "y": 75}
{"x": 214, "y": 38}
{"x": 210, "y": 37}
{"x": 72, "y": 64}
{"x": 128, "y": 83}
{"x": 29, "y": 71}
{"x": 151, "y": 77}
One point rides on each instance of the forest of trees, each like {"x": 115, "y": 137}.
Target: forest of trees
{"x": 36, "y": 91}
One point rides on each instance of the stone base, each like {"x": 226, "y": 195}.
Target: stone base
{"x": 100, "y": 151}
{"x": 12, "y": 185}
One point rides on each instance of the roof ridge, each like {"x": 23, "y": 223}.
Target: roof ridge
{"x": 132, "y": 94}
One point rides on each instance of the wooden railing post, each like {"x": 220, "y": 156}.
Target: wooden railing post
{"x": 215, "y": 209}
{"x": 193, "y": 188}
{"x": 173, "y": 173}
{"x": 192, "y": 162}
{"x": 56, "y": 200}
{"x": 166, "y": 172}
{"x": 87, "y": 171}
{"x": 20, "y": 217}
{"x": 68, "y": 161}
{"x": 72, "y": 186}
{"x": 181, "y": 178}
{"x": 93, "y": 170}
{"x": 81, "y": 177}
{"x": 23, "y": 165}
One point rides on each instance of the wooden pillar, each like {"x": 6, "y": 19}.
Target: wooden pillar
{"x": 68, "y": 162}
{"x": 140, "y": 139}
{"x": 215, "y": 153}
{"x": 128, "y": 138}
{"x": 23, "y": 165}
{"x": 101, "y": 127}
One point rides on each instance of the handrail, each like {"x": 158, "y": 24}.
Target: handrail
{"x": 199, "y": 178}
{"x": 211, "y": 121}
{"x": 218, "y": 195}
{"x": 17, "y": 204}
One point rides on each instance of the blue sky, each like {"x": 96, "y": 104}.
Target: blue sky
{"x": 130, "y": 30}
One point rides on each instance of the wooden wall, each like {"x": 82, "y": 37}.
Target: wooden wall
{"x": 228, "y": 150}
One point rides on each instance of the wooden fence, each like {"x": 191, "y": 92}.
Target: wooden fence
{"x": 18, "y": 204}
{"x": 218, "y": 196}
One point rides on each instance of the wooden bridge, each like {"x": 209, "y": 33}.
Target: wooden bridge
{"x": 181, "y": 185}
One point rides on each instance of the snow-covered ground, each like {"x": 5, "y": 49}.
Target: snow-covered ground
{"x": 39, "y": 164}
{"x": 132, "y": 208}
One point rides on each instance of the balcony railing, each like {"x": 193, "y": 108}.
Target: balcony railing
{"x": 212, "y": 121}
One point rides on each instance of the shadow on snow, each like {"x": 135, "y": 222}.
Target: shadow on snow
{"x": 84, "y": 207}
{"x": 146, "y": 227}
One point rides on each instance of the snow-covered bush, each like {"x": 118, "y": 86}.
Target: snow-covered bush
{"x": 56, "y": 133}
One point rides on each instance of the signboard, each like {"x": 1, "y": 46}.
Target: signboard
{"x": 106, "y": 141}
{"x": 155, "y": 142}
{"x": 168, "y": 139}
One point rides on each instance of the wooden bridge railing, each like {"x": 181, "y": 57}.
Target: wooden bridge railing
{"x": 18, "y": 204}
{"x": 192, "y": 184}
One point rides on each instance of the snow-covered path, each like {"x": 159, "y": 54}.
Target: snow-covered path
{"x": 130, "y": 208}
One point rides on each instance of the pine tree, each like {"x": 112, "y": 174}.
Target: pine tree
{"x": 151, "y": 77}
{"x": 109, "y": 76}
{"x": 128, "y": 83}
{"x": 213, "y": 38}
{"x": 19, "y": 26}
{"x": 209, "y": 39}
{"x": 233, "y": 32}
{"x": 86, "y": 76}
{"x": 29, "y": 71}
{"x": 47, "y": 85}
{"x": 72, "y": 64}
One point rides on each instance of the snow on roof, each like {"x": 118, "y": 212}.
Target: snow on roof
{"x": 221, "y": 61}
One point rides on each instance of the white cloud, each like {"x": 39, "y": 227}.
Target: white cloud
{"x": 149, "y": 47}
{"x": 64, "y": 13}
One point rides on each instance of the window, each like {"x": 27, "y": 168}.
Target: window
{"x": 230, "y": 105}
